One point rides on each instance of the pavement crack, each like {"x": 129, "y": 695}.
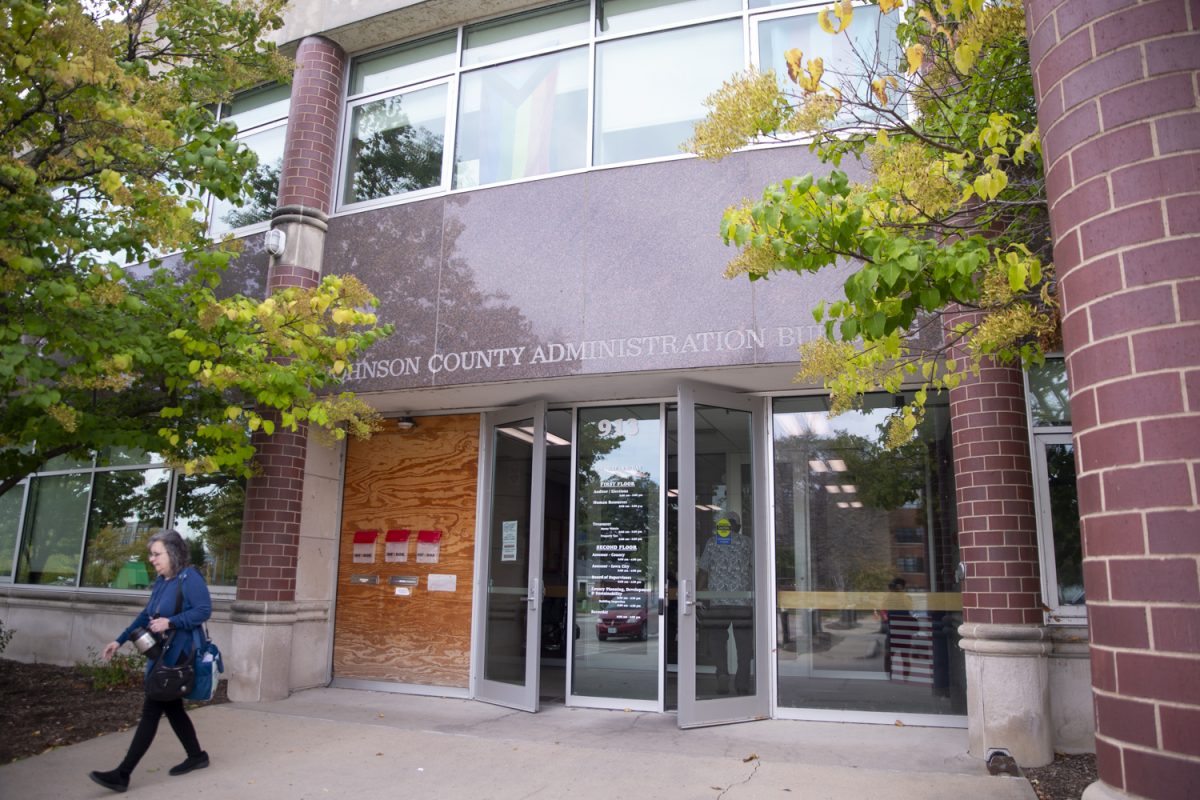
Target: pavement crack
{"x": 750, "y": 777}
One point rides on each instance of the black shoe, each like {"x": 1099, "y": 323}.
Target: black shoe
{"x": 112, "y": 779}
{"x": 190, "y": 763}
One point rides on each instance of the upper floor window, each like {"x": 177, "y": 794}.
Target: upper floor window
{"x": 562, "y": 88}
{"x": 261, "y": 120}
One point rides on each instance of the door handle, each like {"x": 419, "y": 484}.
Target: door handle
{"x": 535, "y": 593}
{"x": 689, "y": 600}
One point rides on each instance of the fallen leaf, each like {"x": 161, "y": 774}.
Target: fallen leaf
{"x": 751, "y": 757}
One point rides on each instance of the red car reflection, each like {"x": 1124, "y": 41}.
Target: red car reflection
{"x": 629, "y": 622}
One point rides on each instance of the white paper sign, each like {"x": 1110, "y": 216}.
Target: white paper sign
{"x": 442, "y": 583}
{"x": 508, "y": 540}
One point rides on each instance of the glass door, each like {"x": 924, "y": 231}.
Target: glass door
{"x": 511, "y": 557}
{"x": 723, "y": 672}
{"x": 616, "y": 657}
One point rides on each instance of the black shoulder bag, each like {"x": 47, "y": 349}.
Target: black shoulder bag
{"x": 163, "y": 682}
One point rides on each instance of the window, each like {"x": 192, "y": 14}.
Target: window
{"x": 1053, "y": 455}
{"x": 261, "y": 120}
{"x": 128, "y": 507}
{"x": 396, "y": 145}
{"x": 521, "y": 119}
{"x": 865, "y": 619}
{"x": 10, "y": 525}
{"x": 55, "y": 520}
{"x": 563, "y": 88}
{"x": 79, "y": 524}
{"x": 622, "y": 16}
{"x": 870, "y": 39}
{"x": 398, "y": 117}
{"x": 530, "y": 32}
{"x": 650, "y": 89}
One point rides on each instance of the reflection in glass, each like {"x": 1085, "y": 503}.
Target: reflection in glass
{"x": 507, "y": 578}
{"x": 522, "y": 119}
{"x": 869, "y": 38}
{"x": 1049, "y": 396}
{"x": 1064, "y": 523}
{"x": 865, "y": 562}
{"x": 254, "y": 108}
{"x": 618, "y": 480}
{"x": 620, "y": 16}
{"x": 650, "y": 89}
{"x": 396, "y": 145}
{"x": 404, "y": 65}
{"x": 208, "y": 513}
{"x": 259, "y": 204}
{"x": 525, "y": 33}
{"x": 725, "y": 554}
{"x": 54, "y": 536}
{"x": 10, "y": 526}
{"x": 126, "y": 457}
{"x": 128, "y": 507}
{"x": 556, "y": 551}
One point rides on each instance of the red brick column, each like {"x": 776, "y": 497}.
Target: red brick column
{"x": 271, "y": 526}
{"x": 997, "y": 527}
{"x": 1118, "y": 83}
{"x": 1003, "y": 636}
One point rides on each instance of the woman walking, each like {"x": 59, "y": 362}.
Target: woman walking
{"x": 179, "y": 602}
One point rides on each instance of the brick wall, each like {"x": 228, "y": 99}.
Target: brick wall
{"x": 1118, "y": 85}
{"x": 997, "y": 528}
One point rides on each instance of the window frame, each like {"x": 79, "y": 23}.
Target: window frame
{"x": 1039, "y": 437}
{"x": 750, "y": 18}
{"x": 91, "y": 470}
{"x": 210, "y": 203}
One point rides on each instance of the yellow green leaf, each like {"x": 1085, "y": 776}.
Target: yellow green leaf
{"x": 795, "y": 62}
{"x": 915, "y": 56}
{"x": 964, "y": 56}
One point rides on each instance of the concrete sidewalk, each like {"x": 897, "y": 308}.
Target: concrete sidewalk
{"x": 342, "y": 743}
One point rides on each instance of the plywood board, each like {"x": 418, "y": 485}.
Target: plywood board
{"x": 419, "y": 480}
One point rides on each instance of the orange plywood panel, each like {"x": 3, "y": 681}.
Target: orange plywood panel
{"x": 405, "y": 486}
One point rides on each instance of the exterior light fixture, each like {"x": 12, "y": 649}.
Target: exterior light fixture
{"x": 406, "y": 423}
{"x": 275, "y": 241}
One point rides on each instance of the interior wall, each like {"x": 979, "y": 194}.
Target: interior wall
{"x": 424, "y": 479}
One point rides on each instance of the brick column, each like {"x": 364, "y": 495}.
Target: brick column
{"x": 1117, "y": 88}
{"x": 265, "y": 610}
{"x": 1003, "y": 636}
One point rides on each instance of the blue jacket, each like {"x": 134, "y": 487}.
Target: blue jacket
{"x": 188, "y": 623}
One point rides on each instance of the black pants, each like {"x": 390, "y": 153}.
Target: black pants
{"x": 152, "y": 712}
{"x": 715, "y": 623}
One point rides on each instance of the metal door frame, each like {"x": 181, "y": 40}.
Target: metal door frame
{"x": 734, "y": 708}
{"x": 523, "y": 697}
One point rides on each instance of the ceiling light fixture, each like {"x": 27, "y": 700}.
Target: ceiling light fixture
{"x": 406, "y": 423}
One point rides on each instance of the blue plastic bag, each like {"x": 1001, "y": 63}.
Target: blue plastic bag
{"x": 208, "y": 664}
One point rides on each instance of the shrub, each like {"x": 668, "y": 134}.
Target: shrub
{"x": 122, "y": 670}
{"x": 5, "y": 635}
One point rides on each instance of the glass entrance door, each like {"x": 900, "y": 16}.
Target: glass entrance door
{"x": 723, "y": 674}
{"x": 511, "y": 556}
{"x": 616, "y": 657}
